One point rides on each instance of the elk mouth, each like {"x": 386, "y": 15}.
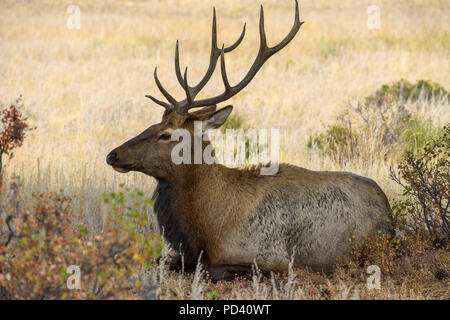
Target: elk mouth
{"x": 124, "y": 168}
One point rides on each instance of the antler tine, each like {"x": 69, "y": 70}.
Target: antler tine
{"x": 161, "y": 103}
{"x": 291, "y": 34}
{"x": 262, "y": 31}
{"x": 238, "y": 41}
{"x": 224, "y": 71}
{"x": 177, "y": 65}
{"x": 264, "y": 53}
{"x": 186, "y": 88}
{"x": 166, "y": 94}
{"x": 215, "y": 54}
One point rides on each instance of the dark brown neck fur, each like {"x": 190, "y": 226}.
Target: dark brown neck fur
{"x": 189, "y": 201}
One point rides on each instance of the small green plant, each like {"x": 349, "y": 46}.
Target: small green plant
{"x": 213, "y": 295}
{"x": 132, "y": 207}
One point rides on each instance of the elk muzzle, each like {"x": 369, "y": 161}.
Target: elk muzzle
{"x": 113, "y": 160}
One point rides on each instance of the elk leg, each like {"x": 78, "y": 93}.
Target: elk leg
{"x": 176, "y": 264}
{"x": 228, "y": 272}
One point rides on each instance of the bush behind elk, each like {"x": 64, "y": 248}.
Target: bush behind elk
{"x": 237, "y": 216}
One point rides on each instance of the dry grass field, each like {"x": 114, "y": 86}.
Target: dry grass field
{"x": 84, "y": 92}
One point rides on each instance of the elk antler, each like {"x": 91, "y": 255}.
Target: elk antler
{"x": 264, "y": 54}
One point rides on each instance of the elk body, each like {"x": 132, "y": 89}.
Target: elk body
{"x": 237, "y": 216}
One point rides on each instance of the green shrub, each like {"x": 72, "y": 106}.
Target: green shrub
{"x": 39, "y": 242}
{"x": 363, "y": 132}
{"x": 337, "y": 142}
{"x": 417, "y": 132}
{"x": 380, "y": 126}
{"x": 425, "y": 179}
{"x": 403, "y": 91}
{"x": 234, "y": 122}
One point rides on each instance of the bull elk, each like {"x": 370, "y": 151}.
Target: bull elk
{"x": 237, "y": 216}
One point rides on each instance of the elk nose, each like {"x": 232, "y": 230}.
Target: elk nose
{"x": 111, "y": 158}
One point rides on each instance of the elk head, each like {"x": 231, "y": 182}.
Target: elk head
{"x": 150, "y": 151}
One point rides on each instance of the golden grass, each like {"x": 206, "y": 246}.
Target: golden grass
{"x": 84, "y": 89}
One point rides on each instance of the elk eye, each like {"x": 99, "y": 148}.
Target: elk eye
{"x": 164, "y": 136}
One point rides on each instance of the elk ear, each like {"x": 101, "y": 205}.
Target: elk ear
{"x": 216, "y": 119}
{"x": 205, "y": 111}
